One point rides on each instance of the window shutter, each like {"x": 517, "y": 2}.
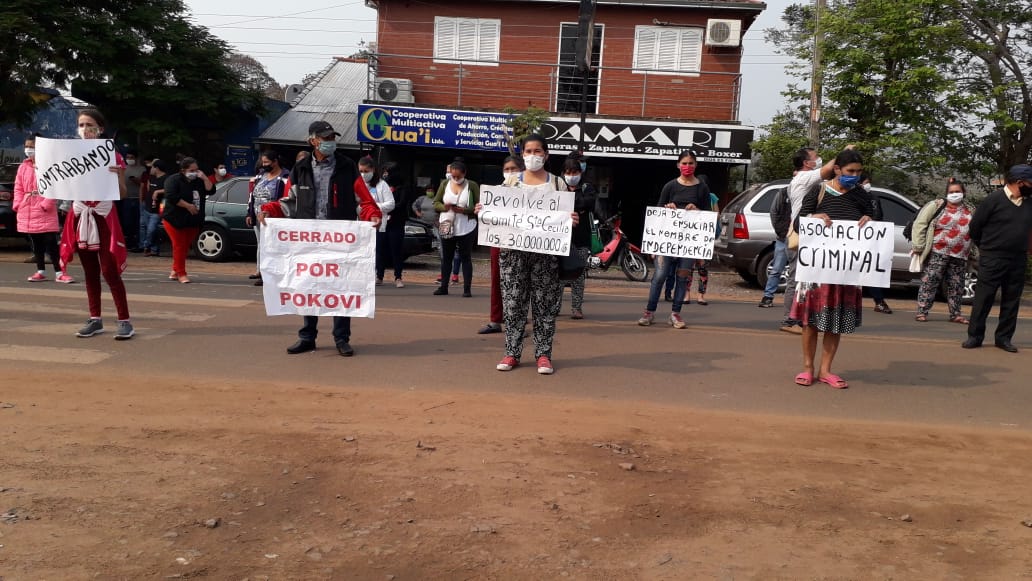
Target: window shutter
{"x": 667, "y": 49}
{"x": 489, "y": 37}
{"x": 645, "y": 47}
{"x": 444, "y": 38}
{"x": 467, "y": 40}
{"x": 691, "y": 50}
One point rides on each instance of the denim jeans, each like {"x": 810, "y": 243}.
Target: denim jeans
{"x": 776, "y": 266}
{"x": 341, "y": 329}
{"x": 664, "y": 266}
{"x": 148, "y": 226}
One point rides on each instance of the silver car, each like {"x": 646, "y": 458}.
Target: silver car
{"x": 746, "y": 242}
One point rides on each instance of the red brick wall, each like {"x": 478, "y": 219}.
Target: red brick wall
{"x": 531, "y": 34}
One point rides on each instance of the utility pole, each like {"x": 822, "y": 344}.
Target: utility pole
{"x": 816, "y": 76}
{"x": 585, "y": 46}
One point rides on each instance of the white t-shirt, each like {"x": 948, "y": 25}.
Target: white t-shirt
{"x": 802, "y": 182}
{"x": 463, "y": 223}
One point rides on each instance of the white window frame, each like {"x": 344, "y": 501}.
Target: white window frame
{"x": 447, "y": 41}
{"x": 681, "y": 53}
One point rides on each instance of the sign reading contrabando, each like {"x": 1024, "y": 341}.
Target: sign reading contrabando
{"x": 845, "y": 253}
{"x": 527, "y": 219}
{"x": 76, "y": 169}
{"x": 318, "y": 267}
{"x": 679, "y": 233}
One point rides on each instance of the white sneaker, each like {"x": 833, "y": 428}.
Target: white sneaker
{"x": 398, "y": 283}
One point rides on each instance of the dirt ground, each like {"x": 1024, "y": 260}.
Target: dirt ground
{"x": 102, "y": 479}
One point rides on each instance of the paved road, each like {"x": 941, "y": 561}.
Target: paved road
{"x": 730, "y": 358}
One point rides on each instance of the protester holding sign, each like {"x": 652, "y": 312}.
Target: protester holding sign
{"x": 459, "y": 196}
{"x": 531, "y": 279}
{"x": 942, "y": 241}
{"x": 686, "y": 192}
{"x": 92, "y": 229}
{"x": 37, "y": 217}
{"x": 833, "y": 309}
{"x": 324, "y": 186}
{"x": 511, "y": 167}
{"x": 583, "y": 204}
{"x": 183, "y": 212}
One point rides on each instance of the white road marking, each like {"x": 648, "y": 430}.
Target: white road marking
{"x": 68, "y": 329}
{"x": 58, "y": 355}
{"x": 80, "y": 312}
{"x": 133, "y": 298}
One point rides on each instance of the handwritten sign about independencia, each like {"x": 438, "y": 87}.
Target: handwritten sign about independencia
{"x": 529, "y": 219}
{"x": 76, "y": 169}
{"x": 845, "y": 253}
{"x": 319, "y": 267}
{"x": 679, "y": 233}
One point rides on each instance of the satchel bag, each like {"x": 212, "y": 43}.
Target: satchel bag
{"x": 571, "y": 266}
{"x": 596, "y": 239}
{"x": 446, "y": 225}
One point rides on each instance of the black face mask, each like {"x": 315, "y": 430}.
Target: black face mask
{"x": 266, "y": 168}
{"x": 1026, "y": 191}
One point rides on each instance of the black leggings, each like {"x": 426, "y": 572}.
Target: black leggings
{"x": 45, "y": 242}
{"x": 464, "y": 245}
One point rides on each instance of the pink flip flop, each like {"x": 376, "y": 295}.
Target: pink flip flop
{"x": 834, "y": 381}
{"x": 804, "y": 379}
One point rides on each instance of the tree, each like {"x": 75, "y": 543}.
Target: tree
{"x": 144, "y": 64}
{"x": 254, "y": 77}
{"x": 522, "y": 124}
{"x": 782, "y": 137}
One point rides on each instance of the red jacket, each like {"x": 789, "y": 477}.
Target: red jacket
{"x": 367, "y": 208}
{"x": 115, "y": 243}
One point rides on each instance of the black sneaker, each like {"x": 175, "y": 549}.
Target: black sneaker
{"x": 766, "y": 303}
{"x": 441, "y": 291}
{"x": 345, "y": 350}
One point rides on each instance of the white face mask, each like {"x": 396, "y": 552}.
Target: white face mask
{"x": 457, "y": 180}
{"x": 818, "y": 162}
{"x": 866, "y": 187}
{"x": 221, "y": 171}
{"x": 30, "y": 152}
{"x": 955, "y": 197}
{"x": 572, "y": 181}
{"x": 507, "y": 174}
{"x": 191, "y": 175}
{"x": 367, "y": 175}
{"x": 534, "y": 162}
{"x": 130, "y": 162}
{"x": 93, "y": 132}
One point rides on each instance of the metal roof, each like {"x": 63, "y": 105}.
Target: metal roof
{"x": 332, "y": 96}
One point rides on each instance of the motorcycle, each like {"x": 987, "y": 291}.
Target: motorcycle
{"x": 619, "y": 251}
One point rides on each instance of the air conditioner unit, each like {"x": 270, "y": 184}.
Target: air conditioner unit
{"x": 721, "y": 32}
{"x": 394, "y": 90}
{"x": 292, "y": 92}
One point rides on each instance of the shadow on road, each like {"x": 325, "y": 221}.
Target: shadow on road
{"x": 925, "y": 374}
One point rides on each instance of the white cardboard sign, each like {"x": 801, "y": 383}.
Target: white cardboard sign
{"x": 679, "y": 233}
{"x": 530, "y": 219}
{"x": 76, "y": 169}
{"x": 845, "y": 253}
{"x": 318, "y": 267}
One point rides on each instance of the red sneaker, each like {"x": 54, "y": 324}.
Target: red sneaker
{"x": 545, "y": 365}
{"x": 507, "y": 363}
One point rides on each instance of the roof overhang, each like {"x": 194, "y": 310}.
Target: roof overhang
{"x": 749, "y": 5}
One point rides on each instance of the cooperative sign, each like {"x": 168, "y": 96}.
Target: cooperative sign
{"x": 845, "y": 253}
{"x": 318, "y": 267}
{"x": 679, "y": 233}
{"x": 529, "y": 219}
{"x": 76, "y": 169}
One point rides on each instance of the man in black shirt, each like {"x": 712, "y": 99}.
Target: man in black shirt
{"x": 1000, "y": 228}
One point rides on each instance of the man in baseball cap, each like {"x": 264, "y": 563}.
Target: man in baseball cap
{"x": 322, "y": 130}
{"x": 1000, "y": 228}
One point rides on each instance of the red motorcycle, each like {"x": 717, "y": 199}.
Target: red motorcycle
{"x": 619, "y": 251}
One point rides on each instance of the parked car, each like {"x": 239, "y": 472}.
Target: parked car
{"x": 746, "y": 242}
{"x": 8, "y": 219}
{"x": 225, "y": 231}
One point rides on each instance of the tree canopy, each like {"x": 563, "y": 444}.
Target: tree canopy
{"x": 921, "y": 87}
{"x": 144, "y": 64}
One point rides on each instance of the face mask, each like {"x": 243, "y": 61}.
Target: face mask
{"x": 367, "y": 175}
{"x": 222, "y": 171}
{"x": 687, "y": 170}
{"x": 507, "y": 174}
{"x": 191, "y": 175}
{"x": 130, "y": 162}
{"x": 572, "y": 181}
{"x": 30, "y": 152}
{"x": 456, "y": 180}
{"x": 818, "y": 163}
{"x": 82, "y": 133}
{"x": 534, "y": 162}
{"x": 866, "y": 187}
{"x": 1026, "y": 191}
{"x": 848, "y": 182}
{"x": 327, "y": 147}
{"x": 583, "y": 166}
{"x": 955, "y": 197}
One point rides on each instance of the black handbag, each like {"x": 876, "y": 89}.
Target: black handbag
{"x": 572, "y": 265}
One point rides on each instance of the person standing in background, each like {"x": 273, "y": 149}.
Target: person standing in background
{"x": 183, "y": 213}
{"x": 150, "y": 208}
{"x": 583, "y": 204}
{"x": 942, "y": 238}
{"x": 267, "y": 186}
{"x": 129, "y": 206}
{"x": 396, "y": 218}
{"x": 220, "y": 174}
{"x": 460, "y": 197}
{"x": 511, "y": 168}
{"x": 370, "y": 174}
{"x": 37, "y": 217}
{"x": 1000, "y": 228}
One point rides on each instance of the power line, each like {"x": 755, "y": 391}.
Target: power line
{"x": 294, "y": 13}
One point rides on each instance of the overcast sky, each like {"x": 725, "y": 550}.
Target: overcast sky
{"x": 292, "y": 43}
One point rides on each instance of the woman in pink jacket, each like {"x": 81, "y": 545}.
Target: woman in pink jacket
{"x": 37, "y": 217}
